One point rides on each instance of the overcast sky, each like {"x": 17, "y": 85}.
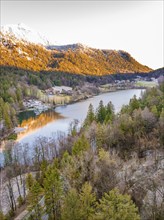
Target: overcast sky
{"x": 133, "y": 26}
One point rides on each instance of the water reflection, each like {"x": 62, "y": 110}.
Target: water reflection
{"x": 49, "y": 123}
{"x": 30, "y": 123}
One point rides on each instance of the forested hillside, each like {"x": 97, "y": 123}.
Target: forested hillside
{"x": 27, "y": 67}
{"x": 80, "y": 59}
{"x": 23, "y": 54}
{"x": 17, "y": 84}
{"x": 110, "y": 168}
{"x": 85, "y": 60}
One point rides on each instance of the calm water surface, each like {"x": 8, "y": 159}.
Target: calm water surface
{"x": 51, "y": 122}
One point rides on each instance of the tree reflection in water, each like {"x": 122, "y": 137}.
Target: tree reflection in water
{"x": 34, "y": 123}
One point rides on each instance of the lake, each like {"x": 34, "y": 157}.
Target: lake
{"x": 49, "y": 123}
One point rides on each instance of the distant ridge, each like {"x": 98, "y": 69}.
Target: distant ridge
{"x": 19, "y": 49}
{"x": 79, "y": 58}
{"x": 157, "y": 72}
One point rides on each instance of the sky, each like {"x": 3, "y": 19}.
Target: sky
{"x": 133, "y": 26}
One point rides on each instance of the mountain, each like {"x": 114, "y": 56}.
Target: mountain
{"x": 17, "y": 50}
{"x": 23, "y": 54}
{"x": 78, "y": 58}
{"x": 157, "y": 72}
{"x": 23, "y": 32}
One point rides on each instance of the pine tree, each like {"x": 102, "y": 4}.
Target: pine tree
{"x": 8, "y": 122}
{"x": 101, "y": 112}
{"x": 90, "y": 116}
{"x": 29, "y": 181}
{"x": 71, "y": 206}
{"x": 66, "y": 159}
{"x": 53, "y": 188}
{"x": 79, "y": 206}
{"x": 134, "y": 104}
{"x": 116, "y": 206}
{"x": 80, "y": 145}
{"x": 87, "y": 202}
{"x": 109, "y": 112}
{"x": 34, "y": 201}
{"x": 13, "y": 116}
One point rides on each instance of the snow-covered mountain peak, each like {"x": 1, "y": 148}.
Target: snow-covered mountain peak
{"x": 23, "y": 32}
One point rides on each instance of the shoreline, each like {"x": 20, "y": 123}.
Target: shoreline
{"x": 100, "y": 93}
{"x": 17, "y": 129}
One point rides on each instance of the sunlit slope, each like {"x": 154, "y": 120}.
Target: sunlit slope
{"x": 75, "y": 59}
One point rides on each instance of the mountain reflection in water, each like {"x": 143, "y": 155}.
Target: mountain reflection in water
{"x": 50, "y": 124}
{"x": 32, "y": 124}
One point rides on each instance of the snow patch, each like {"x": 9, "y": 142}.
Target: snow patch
{"x": 23, "y": 32}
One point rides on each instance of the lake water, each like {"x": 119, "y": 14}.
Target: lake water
{"x": 53, "y": 121}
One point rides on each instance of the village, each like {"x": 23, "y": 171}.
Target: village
{"x": 62, "y": 95}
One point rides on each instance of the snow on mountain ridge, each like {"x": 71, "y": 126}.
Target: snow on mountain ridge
{"x": 23, "y": 32}
{"x": 73, "y": 47}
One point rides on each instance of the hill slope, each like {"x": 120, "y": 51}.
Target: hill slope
{"x": 75, "y": 58}
{"x": 78, "y": 58}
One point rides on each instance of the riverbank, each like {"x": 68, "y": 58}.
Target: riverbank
{"x": 66, "y": 95}
{"x": 61, "y": 97}
{"x": 78, "y": 95}
{"x": 41, "y": 126}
